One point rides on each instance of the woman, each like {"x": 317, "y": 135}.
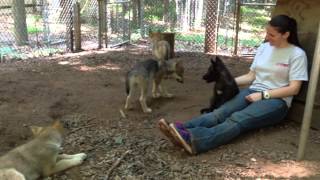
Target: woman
{"x": 276, "y": 75}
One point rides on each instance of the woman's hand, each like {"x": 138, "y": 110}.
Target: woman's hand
{"x": 254, "y": 97}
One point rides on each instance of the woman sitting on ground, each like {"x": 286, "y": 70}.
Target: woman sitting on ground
{"x": 276, "y": 74}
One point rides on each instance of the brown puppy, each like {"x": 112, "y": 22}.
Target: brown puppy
{"x": 160, "y": 48}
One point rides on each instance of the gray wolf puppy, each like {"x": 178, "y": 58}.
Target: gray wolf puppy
{"x": 160, "y": 48}
{"x": 40, "y": 157}
{"x": 11, "y": 174}
{"x": 155, "y": 71}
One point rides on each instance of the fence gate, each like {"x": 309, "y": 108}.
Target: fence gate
{"x": 118, "y": 22}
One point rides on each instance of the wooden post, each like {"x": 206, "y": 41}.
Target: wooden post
{"x": 70, "y": 30}
{"x": 20, "y": 23}
{"x": 306, "y": 122}
{"x": 102, "y": 33}
{"x": 238, "y": 6}
{"x": 77, "y": 26}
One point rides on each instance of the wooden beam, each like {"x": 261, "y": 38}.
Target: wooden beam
{"x": 312, "y": 89}
{"x": 77, "y": 26}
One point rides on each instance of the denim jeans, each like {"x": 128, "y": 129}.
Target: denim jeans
{"x": 233, "y": 118}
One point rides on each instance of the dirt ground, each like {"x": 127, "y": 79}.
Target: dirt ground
{"x": 86, "y": 90}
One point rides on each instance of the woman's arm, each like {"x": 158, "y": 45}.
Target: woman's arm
{"x": 246, "y": 79}
{"x": 292, "y": 89}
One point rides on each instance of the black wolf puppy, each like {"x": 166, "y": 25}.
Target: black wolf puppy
{"x": 225, "y": 86}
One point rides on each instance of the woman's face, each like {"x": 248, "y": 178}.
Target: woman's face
{"x": 275, "y": 38}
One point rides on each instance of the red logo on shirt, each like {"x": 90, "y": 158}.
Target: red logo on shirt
{"x": 283, "y": 64}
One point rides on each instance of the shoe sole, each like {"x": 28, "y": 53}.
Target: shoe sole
{"x": 179, "y": 139}
{"x": 165, "y": 129}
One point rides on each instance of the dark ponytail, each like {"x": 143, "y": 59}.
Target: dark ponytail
{"x": 283, "y": 24}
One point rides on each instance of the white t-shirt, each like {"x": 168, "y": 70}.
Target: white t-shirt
{"x": 276, "y": 67}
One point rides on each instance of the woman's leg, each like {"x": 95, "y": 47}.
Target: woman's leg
{"x": 219, "y": 115}
{"x": 256, "y": 115}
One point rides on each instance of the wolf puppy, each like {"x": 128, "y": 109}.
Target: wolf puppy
{"x": 225, "y": 86}
{"x": 40, "y": 157}
{"x": 11, "y": 174}
{"x": 151, "y": 71}
{"x": 160, "y": 47}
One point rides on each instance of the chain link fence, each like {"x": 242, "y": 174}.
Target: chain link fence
{"x": 35, "y": 28}
{"x": 46, "y": 27}
{"x": 237, "y": 33}
{"x": 118, "y": 22}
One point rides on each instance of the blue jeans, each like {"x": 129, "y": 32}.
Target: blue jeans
{"x": 233, "y": 118}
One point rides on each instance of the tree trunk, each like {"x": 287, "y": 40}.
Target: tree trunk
{"x": 186, "y": 15}
{"x": 141, "y": 17}
{"x": 198, "y": 14}
{"x": 20, "y": 24}
{"x": 135, "y": 16}
{"x": 211, "y": 27}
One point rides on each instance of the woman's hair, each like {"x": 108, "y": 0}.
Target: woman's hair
{"x": 283, "y": 24}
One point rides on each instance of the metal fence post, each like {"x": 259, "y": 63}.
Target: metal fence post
{"x": 77, "y": 26}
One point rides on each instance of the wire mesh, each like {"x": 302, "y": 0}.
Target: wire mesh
{"x": 254, "y": 17}
{"x": 41, "y": 31}
{"x": 89, "y": 24}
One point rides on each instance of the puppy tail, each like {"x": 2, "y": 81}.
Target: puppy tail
{"x": 127, "y": 84}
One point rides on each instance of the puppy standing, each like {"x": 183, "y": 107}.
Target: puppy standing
{"x": 225, "y": 86}
{"x": 151, "y": 71}
{"x": 40, "y": 157}
{"x": 160, "y": 48}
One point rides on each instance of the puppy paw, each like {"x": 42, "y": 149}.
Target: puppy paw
{"x": 205, "y": 110}
{"x": 148, "y": 110}
{"x": 168, "y": 95}
{"x": 128, "y": 108}
{"x": 80, "y": 158}
{"x": 82, "y": 155}
{"x": 156, "y": 95}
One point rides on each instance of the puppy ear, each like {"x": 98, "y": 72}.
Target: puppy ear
{"x": 36, "y": 130}
{"x": 218, "y": 59}
{"x": 213, "y": 60}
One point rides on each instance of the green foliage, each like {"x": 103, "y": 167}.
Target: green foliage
{"x": 32, "y": 21}
{"x": 222, "y": 40}
{"x": 254, "y": 16}
{"x": 34, "y": 30}
{"x": 196, "y": 38}
{"x": 158, "y": 28}
{"x": 153, "y": 10}
{"x": 250, "y": 42}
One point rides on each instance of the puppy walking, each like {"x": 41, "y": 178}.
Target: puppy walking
{"x": 225, "y": 86}
{"x": 151, "y": 71}
{"x": 39, "y": 157}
